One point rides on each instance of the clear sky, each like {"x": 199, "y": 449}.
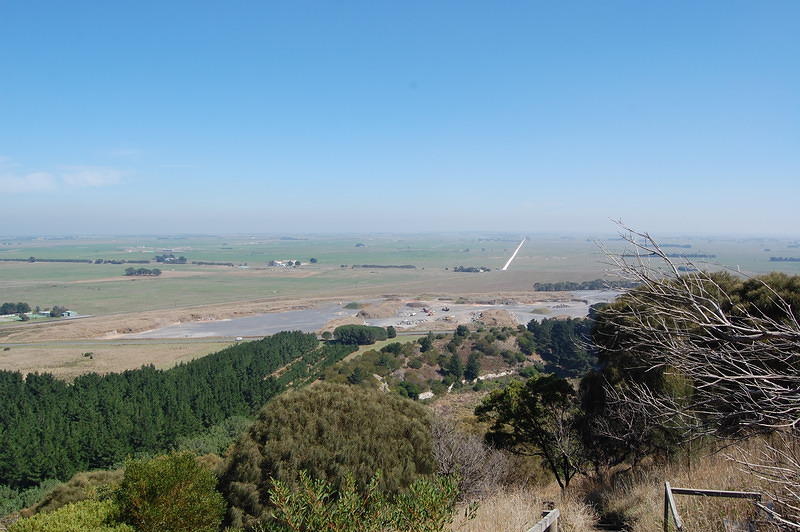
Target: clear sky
{"x": 298, "y": 116}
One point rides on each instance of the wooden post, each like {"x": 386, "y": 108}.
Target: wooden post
{"x": 666, "y": 506}
{"x": 548, "y": 522}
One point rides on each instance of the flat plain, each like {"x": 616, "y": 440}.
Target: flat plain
{"x": 346, "y": 268}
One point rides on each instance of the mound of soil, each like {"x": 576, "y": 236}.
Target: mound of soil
{"x": 384, "y": 309}
{"x": 497, "y": 318}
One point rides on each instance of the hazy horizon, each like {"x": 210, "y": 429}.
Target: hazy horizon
{"x": 186, "y": 117}
{"x": 511, "y": 234}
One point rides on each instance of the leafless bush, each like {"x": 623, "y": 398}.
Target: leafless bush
{"x": 480, "y": 468}
{"x": 743, "y": 362}
{"x": 777, "y": 464}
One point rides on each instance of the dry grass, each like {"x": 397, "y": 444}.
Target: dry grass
{"x": 639, "y": 497}
{"x": 67, "y": 361}
{"x": 331, "y": 325}
{"x": 384, "y": 309}
{"x": 115, "y": 326}
{"x": 498, "y": 318}
{"x": 517, "y": 509}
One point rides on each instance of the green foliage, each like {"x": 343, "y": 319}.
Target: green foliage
{"x": 438, "y": 387}
{"x": 473, "y": 368}
{"x": 147, "y": 272}
{"x": 57, "y": 310}
{"x": 597, "y": 284}
{"x": 621, "y": 359}
{"x": 391, "y": 332}
{"x": 427, "y": 506}
{"x": 353, "y": 305}
{"x": 426, "y": 343}
{"x": 360, "y": 369}
{"x": 359, "y": 334}
{"x": 462, "y": 331}
{"x": 217, "y": 438}
{"x": 84, "y": 516}
{"x": 513, "y": 357}
{"x": 562, "y": 344}
{"x": 526, "y": 342}
{"x": 357, "y": 376}
{"x": 454, "y": 367}
{"x": 326, "y": 335}
{"x": 538, "y": 417}
{"x": 14, "y": 308}
{"x": 96, "y": 421}
{"x": 13, "y": 500}
{"x": 394, "y": 348}
{"x": 329, "y": 431}
{"x": 170, "y": 493}
{"x": 82, "y": 486}
{"x": 486, "y": 345}
{"x": 408, "y": 389}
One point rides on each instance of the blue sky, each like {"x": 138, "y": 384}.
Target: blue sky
{"x": 169, "y": 117}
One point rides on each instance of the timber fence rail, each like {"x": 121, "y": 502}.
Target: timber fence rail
{"x": 671, "y": 510}
{"x": 548, "y": 522}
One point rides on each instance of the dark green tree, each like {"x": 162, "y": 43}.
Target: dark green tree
{"x": 538, "y": 417}
{"x": 359, "y": 334}
{"x": 426, "y": 342}
{"x": 357, "y": 376}
{"x": 454, "y": 367}
{"x": 473, "y": 368}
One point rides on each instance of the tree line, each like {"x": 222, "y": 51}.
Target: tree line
{"x": 14, "y": 308}
{"x": 572, "y": 286}
{"x": 51, "y": 429}
{"x": 362, "y": 334}
{"x": 136, "y": 272}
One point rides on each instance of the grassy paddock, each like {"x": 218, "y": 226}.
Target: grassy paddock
{"x": 102, "y": 289}
{"x": 68, "y": 361}
{"x": 403, "y": 339}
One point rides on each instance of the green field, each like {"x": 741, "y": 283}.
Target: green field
{"x": 101, "y": 288}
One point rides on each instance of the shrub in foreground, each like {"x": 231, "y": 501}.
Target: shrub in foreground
{"x": 331, "y": 431}
{"x": 82, "y": 486}
{"x": 84, "y": 516}
{"x": 427, "y": 506}
{"x": 170, "y": 493}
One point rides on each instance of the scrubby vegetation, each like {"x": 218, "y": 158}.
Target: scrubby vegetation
{"x": 171, "y": 493}
{"x": 85, "y": 516}
{"x": 427, "y": 506}
{"x": 591, "y": 414}
{"x": 330, "y": 431}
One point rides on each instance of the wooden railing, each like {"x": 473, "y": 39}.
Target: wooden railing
{"x": 670, "y": 510}
{"x": 548, "y": 522}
